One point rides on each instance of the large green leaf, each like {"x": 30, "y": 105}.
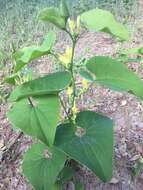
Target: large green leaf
{"x": 64, "y": 9}
{"x": 42, "y": 165}
{"x": 28, "y": 54}
{"x": 115, "y": 75}
{"x": 93, "y": 147}
{"x": 49, "y": 84}
{"x": 132, "y": 51}
{"x": 86, "y": 74}
{"x": 79, "y": 186}
{"x": 53, "y": 16}
{"x": 57, "y": 186}
{"x": 39, "y": 120}
{"x": 66, "y": 174}
{"x": 102, "y": 20}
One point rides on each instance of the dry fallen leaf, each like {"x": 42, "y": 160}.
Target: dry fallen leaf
{"x": 135, "y": 157}
{"x": 114, "y": 180}
{"x": 123, "y": 102}
{"x": 141, "y": 176}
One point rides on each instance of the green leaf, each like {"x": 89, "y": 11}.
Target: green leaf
{"x": 79, "y": 186}
{"x": 102, "y": 20}
{"x": 49, "y": 84}
{"x": 11, "y": 79}
{"x": 141, "y": 51}
{"x": 42, "y": 165}
{"x": 57, "y": 186}
{"x": 28, "y": 54}
{"x": 66, "y": 174}
{"x": 39, "y": 120}
{"x": 133, "y": 60}
{"x": 132, "y": 51}
{"x": 53, "y": 16}
{"x": 92, "y": 145}
{"x": 64, "y": 9}
{"x": 86, "y": 74}
{"x": 115, "y": 75}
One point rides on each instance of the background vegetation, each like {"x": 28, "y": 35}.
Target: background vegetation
{"x": 19, "y": 24}
{"x": 20, "y": 27}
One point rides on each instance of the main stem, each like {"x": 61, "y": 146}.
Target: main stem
{"x": 74, "y": 40}
{"x": 72, "y": 74}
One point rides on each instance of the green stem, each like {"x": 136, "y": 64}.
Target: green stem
{"x": 74, "y": 40}
{"x": 69, "y": 113}
{"x": 54, "y": 55}
{"x": 72, "y": 74}
{"x": 64, "y": 108}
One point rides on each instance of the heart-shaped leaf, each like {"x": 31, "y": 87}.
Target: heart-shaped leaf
{"x": 91, "y": 144}
{"x": 42, "y": 165}
{"x": 53, "y": 15}
{"x": 102, "y": 20}
{"x": 39, "y": 120}
{"x": 49, "y": 84}
{"x": 115, "y": 75}
{"x": 66, "y": 174}
{"x": 57, "y": 186}
{"x": 79, "y": 186}
{"x": 28, "y": 54}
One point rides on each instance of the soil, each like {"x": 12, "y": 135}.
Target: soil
{"x": 126, "y": 111}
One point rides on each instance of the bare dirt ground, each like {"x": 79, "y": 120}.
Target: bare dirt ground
{"x": 124, "y": 109}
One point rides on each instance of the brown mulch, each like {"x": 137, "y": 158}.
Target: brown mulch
{"x": 126, "y": 110}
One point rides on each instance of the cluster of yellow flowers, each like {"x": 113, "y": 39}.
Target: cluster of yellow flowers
{"x": 74, "y": 26}
{"x": 74, "y": 29}
{"x": 85, "y": 84}
{"x": 74, "y": 109}
{"x": 66, "y": 57}
{"x": 69, "y": 91}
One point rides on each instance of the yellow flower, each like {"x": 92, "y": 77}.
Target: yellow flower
{"x": 72, "y": 25}
{"x": 66, "y": 57}
{"x": 69, "y": 91}
{"x": 74, "y": 109}
{"x": 85, "y": 83}
{"x": 78, "y": 24}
